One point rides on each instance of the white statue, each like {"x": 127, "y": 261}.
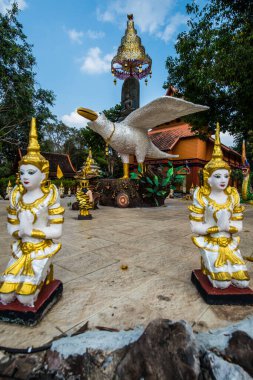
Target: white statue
{"x": 35, "y": 217}
{"x": 216, "y": 217}
{"x": 8, "y": 190}
{"x": 131, "y": 135}
{"x": 61, "y": 190}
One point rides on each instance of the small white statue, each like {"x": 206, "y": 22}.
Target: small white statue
{"x": 131, "y": 135}
{"x": 35, "y": 217}
{"x": 216, "y": 217}
{"x": 8, "y": 190}
{"x": 61, "y": 190}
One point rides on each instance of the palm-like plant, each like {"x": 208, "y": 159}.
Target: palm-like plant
{"x": 154, "y": 188}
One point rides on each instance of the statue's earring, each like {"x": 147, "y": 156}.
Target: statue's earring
{"x": 18, "y": 178}
{"x": 45, "y": 185}
{"x": 19, "y": 184}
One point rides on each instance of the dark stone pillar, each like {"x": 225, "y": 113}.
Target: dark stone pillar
{"x": 130, "y": 96}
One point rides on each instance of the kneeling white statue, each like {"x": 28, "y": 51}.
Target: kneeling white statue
{"x": 216, "y": 217}
{"x": 35, "y": 217}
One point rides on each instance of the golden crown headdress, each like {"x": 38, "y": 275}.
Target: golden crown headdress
{"x": 216, "y": 161}
{"x": 33, "y": 156}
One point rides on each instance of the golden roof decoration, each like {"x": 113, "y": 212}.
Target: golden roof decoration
{"x": 90, "y": 169}
{"x": 131, "y": 59}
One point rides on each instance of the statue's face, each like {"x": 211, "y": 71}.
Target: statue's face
{"x": 219, "y": 179}
{"x": 31, "y": 177}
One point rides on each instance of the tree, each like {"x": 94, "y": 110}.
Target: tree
{"x": 77, "y": 145}
{"x": 90, "y": 139}
{"x": 113, "y": 113}
{"x": 55, "y": 137}
{"x": 59, "y": 138}
{"x": 213, "y": 65}
{"x": 20, "y": 96}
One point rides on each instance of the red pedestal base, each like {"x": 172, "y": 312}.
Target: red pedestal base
{"x": 17, "y": 313}
{"x": 215, "y": 296}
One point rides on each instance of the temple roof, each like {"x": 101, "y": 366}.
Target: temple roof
{"x": 55, "y": 159}
{"x": 166, "y": 136}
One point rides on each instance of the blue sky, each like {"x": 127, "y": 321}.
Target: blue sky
{"x": 75, "y": 40}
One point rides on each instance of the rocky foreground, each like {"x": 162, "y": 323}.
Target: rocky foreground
{"x": 165, "y": 350}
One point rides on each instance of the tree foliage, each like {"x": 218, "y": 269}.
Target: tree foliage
{"x": 76, "y": 142}
{"x": 56, "y": 135}
{"x": 60, "y": 138}
{"x": 20, "y": 96}
{"x": 113, "y": 113}
{"x": 213, "y": 65}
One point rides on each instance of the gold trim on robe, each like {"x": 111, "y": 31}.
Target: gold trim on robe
{"x": 56, "y": 211}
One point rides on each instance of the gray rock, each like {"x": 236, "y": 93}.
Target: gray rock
{"x": 240, "y": 350}
{"x": 165, "y": 351}
{"x": 22, "y": 367}
{"x": 219, "y": 369}
{"x": 95, "y": 340}
{"x": 219, "y": 338}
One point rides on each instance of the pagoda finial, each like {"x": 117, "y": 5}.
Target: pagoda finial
{"x": 131, "y": 59}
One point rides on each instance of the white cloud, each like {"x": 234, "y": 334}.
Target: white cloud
{"x": 95, "y": 63}
{"x": 5, "y": 5}
{"x": 74, "y": 120}
{"x": 226, "y": 139}
{"x": 75, "y": 36}
{"x": 94, "y": 35}
{"x": 171, "y": 29}
{"x": 151, "y": 18}
{"x": 107, "y": 16}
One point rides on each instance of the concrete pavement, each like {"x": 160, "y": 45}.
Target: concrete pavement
{"x": 155, "y": 244}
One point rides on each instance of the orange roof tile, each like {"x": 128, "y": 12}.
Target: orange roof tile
{"x": 166, "y": 137}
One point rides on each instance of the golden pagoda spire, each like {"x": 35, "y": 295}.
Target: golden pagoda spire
{"x": 33, "y": 156}
{"x": 216, "y": 161}
{"x": 33, "y": 146}
{"x": 131, "y": 59}
{"x": 89, "y": 169}
{"x": 217, "y": 152}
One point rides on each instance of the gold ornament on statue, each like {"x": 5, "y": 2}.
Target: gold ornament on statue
{"x": 216, "y": 215}
{"x": 84, "y": 195}
{"x": 35, "y": 217}
{"x": 215, "y": 163}
{"x": 85, "y": 199}
{"x": 33, "y": 156}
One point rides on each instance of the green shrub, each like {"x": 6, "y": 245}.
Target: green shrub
{"x": 157, "y": 187}
{"x": 67, "y": 183}
{"x": 4, "y": 183}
